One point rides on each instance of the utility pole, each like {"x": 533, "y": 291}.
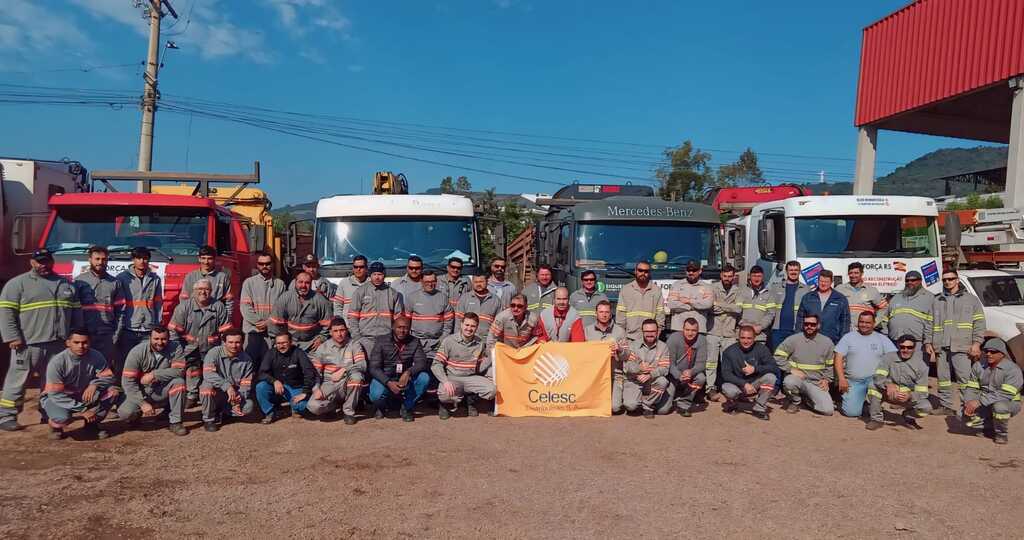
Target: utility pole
{"x": 149, "y": 89}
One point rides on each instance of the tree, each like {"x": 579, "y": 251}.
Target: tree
{"x": 447, "y": 186}
{"x": 744, "y": 171}
{"x": 462, "y": 185}
{"x": 687, "y": 175}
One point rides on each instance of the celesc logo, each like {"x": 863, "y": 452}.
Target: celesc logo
{"x": 550, "y": 369}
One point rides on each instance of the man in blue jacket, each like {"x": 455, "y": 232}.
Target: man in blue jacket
{"x": 831, "y": 307}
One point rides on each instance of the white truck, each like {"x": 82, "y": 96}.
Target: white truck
{"x": 389, "y": 228}
{"x": 890, "y": 235}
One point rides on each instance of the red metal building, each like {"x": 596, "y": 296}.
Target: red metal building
{"x": 943, "y": 67}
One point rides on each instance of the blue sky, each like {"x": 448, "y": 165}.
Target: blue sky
{"x": 539, "y": 76}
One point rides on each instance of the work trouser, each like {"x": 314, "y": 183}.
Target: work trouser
{"x": 953, "y": 371}
{"x": 654, "y": 395}
{"x": 194, "y": 373}
{"x": 618, "y": 379}
{"x": 31, "y": 358}
{"x": 479, "y": 385}
{"x": 59, "y": 409}
{"x": 129, "y": 339}
{"x": 169, "y": 395}
{"x": 381, "y": 395}
{"x": 268, "y": 398}
{"x": 765, "y": 385}
{"x": 257, "y": 344}
{"x": 716, "y": 346}
{"x": 686, "y": 391}
{"x": 344, "y": 394}
{"x": 913, "y": 408}
{"x": 996, "y": 417}
{"x": 215, "y": 404}
{"x": 798, "y": 388}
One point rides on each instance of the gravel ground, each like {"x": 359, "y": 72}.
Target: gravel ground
{"x": 710, "y": 475}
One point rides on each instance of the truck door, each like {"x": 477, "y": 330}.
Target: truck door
{"x": 771, "y": 244}
{"x": 734, "y": 244}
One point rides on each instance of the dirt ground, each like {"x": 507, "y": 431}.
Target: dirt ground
{"x": 710, "y": 475}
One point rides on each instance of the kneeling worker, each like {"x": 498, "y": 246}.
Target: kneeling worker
{"x": 78, "y": 382}
{"x": 459, "y": 365}
{"x": 154, "y": 376}
{"x": 748, "y": 370}
{"x": 339, "y": 364}
{"x": 286, "y": 375}
{"x": 992, "y": 392}
{"x": 398, "y": 370}
{"x": 227, "y": 381}
{"x": 688, "y": 351}
{"x": 901, "y": 378}
{"x": 808, "y": 360}
{"x": 647, "y": 370}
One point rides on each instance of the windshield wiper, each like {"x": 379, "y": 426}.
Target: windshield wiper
{"x": 69, "y": 250}
{"x": 162, "y": 253}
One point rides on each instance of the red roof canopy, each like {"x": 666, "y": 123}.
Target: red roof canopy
{"x": 940, "y": 67}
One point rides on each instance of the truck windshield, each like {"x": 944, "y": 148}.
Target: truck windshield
{"x": 666, "y": 245}
{"x": 1000, "y": 290}
{"x": 170, "y": 231}
{"x": 866, "y": 236}
{"x": 393, "y": 241}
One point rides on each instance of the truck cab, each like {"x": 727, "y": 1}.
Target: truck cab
{"x": 597, "y": 227}
{"x": 890, "y": 235}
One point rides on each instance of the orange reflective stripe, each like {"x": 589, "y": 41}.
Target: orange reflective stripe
{"x": 130, "y": 373}
{"x": 53, "y": 387}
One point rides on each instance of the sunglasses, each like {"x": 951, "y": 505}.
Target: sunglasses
{"x": 262, "y": 263}
{"x": 517, "y": 306}
{"x": 948, "y": 279}
{"x": 907, "y": 347}
{"x": 497, "y": 266}
{"x": 643, "y": 271}
{"x": 358, "y": 266}
{"x": 589, "y": 279}
{"x": 810, "y": 324}
{"x": 414, "y": 267}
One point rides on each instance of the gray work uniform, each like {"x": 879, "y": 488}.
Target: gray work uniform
{"x": 585, "y": 304}
{"x": 167, "y": 389}
{"x": 256, "y": 302}
{"x": 506, "y": 329}
{"x": 433, "y": 318}
{"x": 305, "y": 318}
{"x": 143, "y": 307}
{"x": 863, "y": 299}
{"x": 910, "y": 376}
{"x": 689, "y": 300}
{"x": 405, "y": 286}
{"x": 654, "y": 394}
{"x": 453, "y": 290}
{"x": 725, "y": 315}
{"x": 504, "y": 290}
{"x": 321, "y": 286}
{"x": 638, "y": 304}
{"x": 757, "y": 309}
{"x": 486, "y": 307}
{"x": 462, "y": 362}
{"x": 911, "y": 314}
{"x": 372, "y": 311}
{"x": 687, "y": 356}
{"x": 815, "y": 358}
{"x": 197, "y": 329}
{"x": 328, "y": 359}
{"x": 40, "y": 312}
{"x": 538, "y": 298}
{"x": 67, "y": 377}
{"x": 618, "y": 335}
{"x": 341, "y": 302}
{"x": 103, "y": 302}
{"x": 959, "y": 323}
{"x": 997, "y": 389}
{"x": 221, "y": 372}
{"x": 221, "y": 291}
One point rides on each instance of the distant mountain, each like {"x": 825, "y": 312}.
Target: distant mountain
{"x": 918, "y": 176}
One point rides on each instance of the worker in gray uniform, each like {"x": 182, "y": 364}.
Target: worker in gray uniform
{"x": 197, "y": 325}
{"x": 78, "y": 382}
{"x": 725, "y": 316}
{"x": 37, "y": 311}
{"x": 901, "y": 378}
{"x": 103, "y": 301}
{"x": 585, "y": 299}
{"x": 220, "y": 280}
{"x": 480, "y": 301}
{"x": 143, "y": 302}
{"x": 259, "y": 294}
{"x": 340, "y": 366}
{"x": 992, "y": 392}
{"x": 453, "y": 284}
{"x": 959, "y": 332}
{"x": 431, "y": 314}
{"x": 911, "y": 311}
{"x": 460, "y": 366}
{"x": 646, "y": 386}
{"x": 497, "y": 283}
{"x": 303, "y": 313}
{"x": 227, "y": 382}
{"x": 318, "y": 284}
{"x": 410, "y": 282}
{"x": 375, "y": 305}
{"x": 541, "y": 293}
{"x": 756, "y": 304}
{"x": 604, "y": 329}
{"x": 154, "y": 376}
{"x": 688, "y": 350}
{"x": 515, "y": 326}
{"x": 807, "y": 359}
{"x": 342, "y": 299}
{"x": 690, "y": 298}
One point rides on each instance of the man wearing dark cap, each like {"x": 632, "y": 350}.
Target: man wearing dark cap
{"x": 37, "y": 311}
{"x": 992, "y": 392}
{"x": 901, "y": 378}
{"x": 143, "y": 301}
{"x": 910, "y": 312}
{"x": 689, "y": 298}
{"x": 220, "y": 281}
{"x": 321, "y": 285}
{"x": 375, "y": 305}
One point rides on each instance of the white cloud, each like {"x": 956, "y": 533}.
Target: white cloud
{"x": 28, "y": 31}
{"x": 298, "y": 17}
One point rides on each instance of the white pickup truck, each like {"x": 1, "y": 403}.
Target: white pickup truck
{"x": 1002, "y": 295}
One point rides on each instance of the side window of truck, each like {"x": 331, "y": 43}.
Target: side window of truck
{"x": 223, "y": 234}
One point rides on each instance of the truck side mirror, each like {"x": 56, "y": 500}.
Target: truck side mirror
{"x": 951, "y": 228}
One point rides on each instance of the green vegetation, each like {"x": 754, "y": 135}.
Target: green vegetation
{"x": 975, "y": 201}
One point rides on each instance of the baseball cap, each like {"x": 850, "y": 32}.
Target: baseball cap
{"x": 41, "y": 255}
{"x": 913, "y": 274}
{"x": 995, "y": 344}
{"x": 692, "y": 265}
{"x": 376, "y": 267}
{"x": 310, "y": 260}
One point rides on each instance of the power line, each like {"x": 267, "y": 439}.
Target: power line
{"x": 83, "y": 69}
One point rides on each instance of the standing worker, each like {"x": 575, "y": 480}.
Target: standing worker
{"x": 103, "y": 302}
{"x": 515, "y": 326}
{"x": 318, "y": 284}
{"x": 860, "y": 296}
{"x": 143, "y": 302}
{"x": 453, "y": 284}
{"x": 303, "y": 313}
{"x": 556, "y": 322}
{"x": 343, "y": 293}
{"x": 220, "y": 280}
{"x": 992, "y": 392}
{"x": 541, "y": 293}
{"x": 959, "y": 332}
{"x": 910, "y": 311}
{"x": 196, "y": 325}
{"x": 585, "y": 299}
{"x": 832, "y": 309}
{"x": 640, "y": 300}
{"x": 726, "y": 311}
{"x": 37, "y": 311}
{"x": 497, "y": 283}
{"x": 690, "y": 298}
{"x": 259, "y": 294}
{"x": 480, "y": 301}
{"x": 410, "y": 282}
{"x": 757, "y": 304}
{"x": 807, "y": 359}
{"x": 786, "y": 297}
{"x": 375, "y": 305}
{"x": 431, "y": 315}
